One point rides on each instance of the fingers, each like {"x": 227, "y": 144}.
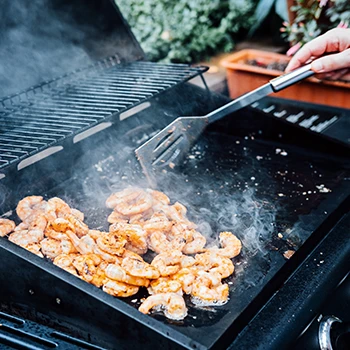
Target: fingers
{"x": 336, "y": 75}
{"x": 335, "y": 40}
{"x": 332, "y": 62}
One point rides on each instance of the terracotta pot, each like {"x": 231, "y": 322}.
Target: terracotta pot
{"x": 243, "y": 78}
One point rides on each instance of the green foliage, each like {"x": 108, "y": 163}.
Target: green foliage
{"x": 187, "y": 30}
{"x": 314, "y": 17}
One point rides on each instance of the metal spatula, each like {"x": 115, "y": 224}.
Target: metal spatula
{"x": 168, "y": 146}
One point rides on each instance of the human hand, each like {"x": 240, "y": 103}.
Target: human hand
{"x": 334, "y": 46}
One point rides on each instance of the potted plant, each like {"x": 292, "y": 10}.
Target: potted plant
{"x": 249, "y": 69}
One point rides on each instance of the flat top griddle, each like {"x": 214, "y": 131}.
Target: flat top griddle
{"x": 244, "y": 184}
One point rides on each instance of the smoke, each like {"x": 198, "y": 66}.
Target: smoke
{"x": 41, "y": 40}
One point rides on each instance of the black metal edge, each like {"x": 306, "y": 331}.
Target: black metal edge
{"x": 98, "y": 294}
{"x": 114, "y": 117}
{"x": 345, "y": 148}
{"x": 295, "y": 304}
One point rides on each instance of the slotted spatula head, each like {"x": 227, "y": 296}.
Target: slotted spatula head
{"x": 168, "y": 147}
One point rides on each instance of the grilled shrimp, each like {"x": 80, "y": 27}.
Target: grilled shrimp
{"x": 26, "y": 237}
{"x": 26, "y": 206}
{"x": 205, "y": 293}
{"x": 38, "y": 223}
{"x": 111, "y": 243}
{"x": 158, "y": 222}
{"x": 159, "y": 243}
{"x": 78, "y": 214}
{"x": 22, "y": 226}
{"x": 57, "y": 208}
{"x": 99, "y": 278}
{"x": 117, "y": 273}
{"x": 172, "y": 304}
{"x": 165, "y": 285}
{"x": 65, "y": 262}
{"x": 195, "y": 242}
{"x": 159, "y": 196}
{"x": 80, "y": 228}
{"x": 127, "y": 195}
{"x": 186, "y": 276}
{"x": 84, "y": 245}
{"x": 119, "y": 289}
{"x": 214, "y": 262}
{"x": 136, "y": 237}
{"x": 116, "y": 217}
{"x": 140, "y": 204}
{"x": 51, "y": 247}
{"x": 139, "y": 268}
{"x": 168, "y": 263}
{"x": 231, "y": 245}
{"x": 35, "y": 249}
{"x": 86, "y": 265}
{"x": 6, "y": 227}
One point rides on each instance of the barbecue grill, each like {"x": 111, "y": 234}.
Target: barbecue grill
{"x": 277, "y": 173}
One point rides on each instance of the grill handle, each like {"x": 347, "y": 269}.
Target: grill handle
{"x": 291, "y": 78}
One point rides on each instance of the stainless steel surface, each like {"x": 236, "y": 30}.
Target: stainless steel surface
{"x": 169, "y": 145}
{"x": 324, "y": 332}
{"x": 291, "y": 78}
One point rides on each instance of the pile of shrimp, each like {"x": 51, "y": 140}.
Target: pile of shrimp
{"x": 141, "y": 220}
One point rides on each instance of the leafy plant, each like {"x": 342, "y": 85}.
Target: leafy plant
{"x": 187, "y": 30}
{"x": 263, "y": 9}
{"x": 314, "y": 17}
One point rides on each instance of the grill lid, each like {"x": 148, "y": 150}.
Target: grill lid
{"x": 43, "y": 39}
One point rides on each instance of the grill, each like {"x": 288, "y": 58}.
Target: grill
{"x": 279, "y": 185}
{"x": 51, "y": 112}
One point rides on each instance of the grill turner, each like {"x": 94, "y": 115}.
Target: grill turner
{"x": 169, "y": 145}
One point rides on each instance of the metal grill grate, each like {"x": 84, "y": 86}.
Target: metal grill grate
{"x": 29, "y": 123}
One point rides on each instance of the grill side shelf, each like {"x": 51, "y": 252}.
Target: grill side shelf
{"x": 47, "y": 115}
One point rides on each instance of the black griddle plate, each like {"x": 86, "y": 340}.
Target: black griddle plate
{"x": 228, "y": 182}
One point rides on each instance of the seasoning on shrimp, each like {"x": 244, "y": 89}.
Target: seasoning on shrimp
{"x": 6, "y": 227}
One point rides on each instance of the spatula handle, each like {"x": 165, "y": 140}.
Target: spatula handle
{"x": 291, "y": 78}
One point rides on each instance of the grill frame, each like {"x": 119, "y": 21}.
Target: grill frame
{"x": 63, "y": 108}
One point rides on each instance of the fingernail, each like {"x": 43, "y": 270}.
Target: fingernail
{"x": 317, "y": 67}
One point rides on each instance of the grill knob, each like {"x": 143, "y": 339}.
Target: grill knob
{"x": 324, "y": 332}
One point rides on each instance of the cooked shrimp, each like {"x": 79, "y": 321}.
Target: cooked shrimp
{"x": 127, "y": 195}
{"x": 38, "y": 223}
{"x": 187, "y": 261}
{"x": 26, "y": 206}
{"x": 80, "y": 228}
{"x": 115, "y": 272}
{"x": 99, "y": 278}
{"x": 94, "y": 234}
{"x": 138, "y": 205}
{"x": 159, "y": 196}
{"x": 195, "y": 242}
{"x": 26, "y": 237}
{"x": 62, "y": 225}
{"x": 168, "y": 262}
{"x": 35, "y": 249}
{"x": 105, "y": 256}
{"x": 86, "y": 265}
{"x": 139, "y": 268}
{"x": 119, "y": 289}
{"x": 158, "y": 222}
{"x": 231, "y": 245}
{"x": 65, "y": 262}
{"x": 158, "y": 242}
{"x": 111, "y": 243}
{"x": 67, "y": 246}
{"x": 172, "y": 304}
{"x": 205, "y": 293}
{"x": 136, "y": 237}
{"x": 84, "y": 245}
{"x": 115, "y": 217}
{"x": 6, "y": 227}
{"x": 22, "y": 226}
{"x": 214, "y": 262}
{"x": 51, "y": 247}
{"x": 165, "y": 285}
{"x": 78, "y": 214}
{"x": 186, "y": 277}
{"x": 57, "y": 208}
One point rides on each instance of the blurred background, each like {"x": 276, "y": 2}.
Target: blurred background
{"x": 212, "y": 32}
